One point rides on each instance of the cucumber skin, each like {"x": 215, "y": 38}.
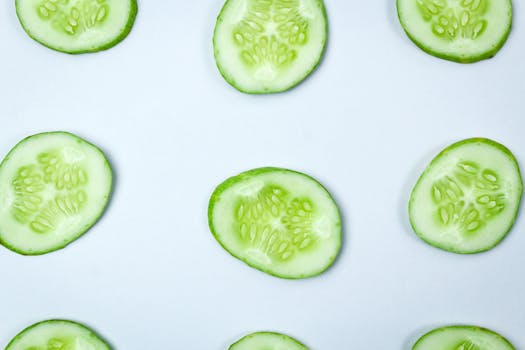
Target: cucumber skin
{"x": 473, "y": 328}
{"x": 443, "y": 152}
{"x": 81, "y": 233}
{"x": 230, "y": 80}
{"x": 287, "y": 337}
{"x": 127, "y": 29}
{"x": 246, "y": 175}
{"x": 457, "y": 58}
{"x": 80, "y": 325}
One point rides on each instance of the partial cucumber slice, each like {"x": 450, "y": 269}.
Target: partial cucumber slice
{"x": 278, "y": 221}
{"x": 462, "y": 338}
{"x": 266, "y": 46}
{"x": 57, "y": 335}
{"x": 77, "y": 26}
{"x": 53, "y": 187}
{"x": 267, "y": 341}
{"x": 458, "y": 30}
{"x": 468, "y": 198}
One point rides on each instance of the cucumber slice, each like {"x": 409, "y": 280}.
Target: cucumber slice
{"x": 462, "y": 338}
{"x": 267, "y": 341}
{"x": 267, "y": 46}
{"x": 278, "y": 221}
{"x": 77, "y": 26}
{"x": 53, "y": 187}
{"x": 464, "y": 31}
{"x": 57, "y": 335}
{"x": 468, "y": 198}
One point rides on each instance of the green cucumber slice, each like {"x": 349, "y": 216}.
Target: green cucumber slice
{"x": 53, "y": 187}
{"x": 267, "y": 341}
{"x": 462, "y": 338}
{"x": 464, "y": 31}
{"x": 467, "y": 199}
{"x": 267, "y": 46}
{"x": 57, "y": 335}
{"x": 77, "y": 26}
{"x": 279, "y": 221}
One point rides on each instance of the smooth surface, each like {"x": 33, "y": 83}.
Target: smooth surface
{"x": 107, "y": 23}
{"x": 365, "y": 124}
{"x": 479, "y": 31}
{"x": 300, "y": 48}
{"x": 63, "y": 215}
{"x": 297, "y": 236}
{"x": 462, "y": 337}
{"x": 57, "y": 335}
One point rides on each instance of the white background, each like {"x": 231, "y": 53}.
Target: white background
{"x": 149, "y": 275}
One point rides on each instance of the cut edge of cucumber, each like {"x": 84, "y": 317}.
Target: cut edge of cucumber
{"x": 89, "y": 330}
{"x": 305, "y": 77}
{"x": 88, "y": 227}
{"x": 118, "y": 39}
{"x": 457, "y": 58}
{"x": 511, "y": 157}
{"x": 464, "y": 327}
{"x": 257, "y": 171}
{"x": 282, "y": 335}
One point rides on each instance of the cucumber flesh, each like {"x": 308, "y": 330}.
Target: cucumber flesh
{"x": 266, "y": 46}
{"x": 458, "y": 30}
{"x": 468, "y": 198}
{"x": 276, "y": 220}
{"x": 77, "y": 26}
{"x": 57, "y": 335}
{"x": 267, "y": 341}
{"x": 53, "y": 188}
{"x": 462, "y": 338}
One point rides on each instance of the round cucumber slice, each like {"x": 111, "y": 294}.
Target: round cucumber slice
{"x": 467, "y": 199}
{"x": 278, "y": 221}
{"x": 77, "y": 26}
{"x": 266, "y": 341}
{"x": 57, "y": 335}
{"x": 462, "y": 338}
{"x": 464, "y": 31}
{"x": 53, "y": 187}
{"x": 267, "y": 46}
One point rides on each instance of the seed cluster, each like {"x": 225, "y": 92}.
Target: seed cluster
{"x": 74, "y": 17}
{"x": 31, "y": 183}
{"x": 468, "y": 345}
{"x": 274, "y": 225}
{"x": 468, "y": 197}
{"x": 27, "y": 184}
{"x": 452, "y": 21}
{"x": 52, "y": 344}
{"x": 269, "y": 32}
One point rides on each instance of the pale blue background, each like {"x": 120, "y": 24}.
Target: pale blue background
{"x": 150, "y": 275}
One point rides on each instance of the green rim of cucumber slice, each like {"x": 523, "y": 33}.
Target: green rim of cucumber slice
{"x": 76, "y": 27}
{"x": 278, "y": 221}
{"x": 265, "y": 46}
{"x": 462, "y": 338}
{"x": 267, "y": 340}
{"x": 463, "y": 31}
{"x": 468, "y": 198}
{"x": 57, "y": 335}
{"x": 54, "y": 187}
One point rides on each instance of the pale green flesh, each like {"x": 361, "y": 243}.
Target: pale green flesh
{"x": 278, "y": 221}
{"x": 264, "y": 46}
{"x": 53, "y": 187}
{"x": 267, "y": 341}
{"x": 57, "y": 335}
{"x": 459, "y": 30}
{"x": 462, "y": 338}
{"x": 76, "y": 26}
{"x": 468, "y": 198}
